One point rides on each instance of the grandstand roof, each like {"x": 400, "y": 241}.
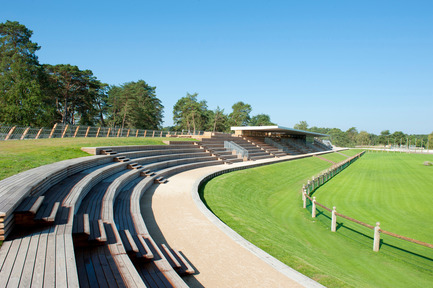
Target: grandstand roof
{"x": 279, "y": 129}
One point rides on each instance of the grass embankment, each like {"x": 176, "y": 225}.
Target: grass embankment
{"x": 17, "y": 156}
{"x": 271, "y": 217}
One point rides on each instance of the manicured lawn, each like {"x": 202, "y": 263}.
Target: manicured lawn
{"x": 264, "y": 205}
{"x": 17, "y": 156}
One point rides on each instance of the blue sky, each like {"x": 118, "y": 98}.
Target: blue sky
{"x": 367, "y": 64}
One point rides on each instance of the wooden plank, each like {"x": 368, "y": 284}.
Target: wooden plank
{"x": 84, "y": 283}
{"x": 189, "y": 269}
{"x": 27, "y": 273}
{"x": 171, "y": 257}
{"x": 105, "y": 266}
{"x": 53, "y": 213}
{"x": 103, "y": 235}
{"x": 149, "y": 254}
{"x": 8, "y": 264}
{"x": 131, "y": 241}
{"x": 99, "y": 272}
{"x": 61, "y": 271}
{"x": 15, "y": 275}
{"x": 4, "y": 249}
{"x": 37, "y": 204}
{"x": 50, "y": 260}
{"x": 86, "y": 224}
{"x": 71, "y": 266}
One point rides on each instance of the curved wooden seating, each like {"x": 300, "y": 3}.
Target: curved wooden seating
{"x": 84, "y": 222}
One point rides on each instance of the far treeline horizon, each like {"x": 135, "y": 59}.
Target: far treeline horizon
{"x": 40, "y": 95}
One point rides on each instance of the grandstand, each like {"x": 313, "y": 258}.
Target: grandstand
{"x": 78, "y": 222}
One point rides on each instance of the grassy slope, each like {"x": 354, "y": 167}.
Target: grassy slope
{"x": 273, "y": 219}
{"x": 17, "y": 156}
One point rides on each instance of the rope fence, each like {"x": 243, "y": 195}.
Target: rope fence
{"x": 73, "y": 131}
{"x": 313, "y": 184}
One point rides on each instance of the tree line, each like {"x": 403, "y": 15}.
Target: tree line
{"x": 40, "y": 95}
{"x": 352, "y": 138}
{"x": 36, "y": 94}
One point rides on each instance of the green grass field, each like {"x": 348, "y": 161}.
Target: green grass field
{"x": 17, "y": 156}
{"x": 273, "y": 219}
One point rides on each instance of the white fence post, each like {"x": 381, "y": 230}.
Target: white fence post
{"x": 304, "y": 197}
{"x": 376, "y": 241}
{"x": 334, "y": 219}
{"x": 313, "y": 209}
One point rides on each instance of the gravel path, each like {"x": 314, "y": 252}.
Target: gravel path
{"x": 221, "y": 257}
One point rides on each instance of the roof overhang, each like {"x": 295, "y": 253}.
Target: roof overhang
{"x": 278, "y": 129}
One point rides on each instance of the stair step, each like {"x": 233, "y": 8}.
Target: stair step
{"x": 53, "y": 213}
{"x": 128, "y": 242}
{"x": 148, "y": 255}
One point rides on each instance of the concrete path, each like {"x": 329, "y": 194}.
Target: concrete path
{"x": 221, "y": 257}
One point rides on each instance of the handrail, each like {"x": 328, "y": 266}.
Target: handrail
{"x": 239, "y": 150}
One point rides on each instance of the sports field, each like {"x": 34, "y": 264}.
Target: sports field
{"x": 264, "y": 206}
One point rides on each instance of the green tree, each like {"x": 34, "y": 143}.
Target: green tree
{"x": 240, "y": 115}
{"x": 352, "y": 134}
{"x": 134, "y": 105}
{"x": 302, "y": 125}
{"x": 363, "y": 138}
{"x": 261, "y": 120}
{"x": 430, "y": 141}
{"x": 75, "y": 93}
{"x": 339, "y": 138}
{"x": 384, "y": 137}
{"x": 219, "y": 120}
{"x": 190, "y": 114}
{"x": 21, "y": 99}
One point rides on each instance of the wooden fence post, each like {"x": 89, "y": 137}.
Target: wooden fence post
{"x": 161, "y": 134}
{"x": 313, "y": 209}
{"x": 334, "y": 219}
{"x": 39, "y": 133}
{"x": 76, "y": 131}
{"x": 118, "y": 132}
{"x": 153, "y": 134}
{"x": 145, "y": 132}
{"x": 127, "y": 134}
{"x": 87, "y": 131}
{"x": 97, "y": 132}
{"x": 52, "y": 130}
{"x": 376, "y": 241}
{"x": 108, "y": 133}
{"x": 136, "y": 133}
{"x": 64, "y": 131}
{"x": 25, "y": 133}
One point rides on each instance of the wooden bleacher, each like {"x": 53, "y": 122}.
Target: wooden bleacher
{"x": 78, "y": 222}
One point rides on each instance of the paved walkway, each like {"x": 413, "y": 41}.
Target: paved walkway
{"x": 173, "y": 216}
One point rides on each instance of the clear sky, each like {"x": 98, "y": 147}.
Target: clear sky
{"x": 361, "y": 63}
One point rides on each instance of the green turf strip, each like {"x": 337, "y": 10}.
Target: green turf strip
{"x": 264, "y": 205}
{"x": 17, "y": 156}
